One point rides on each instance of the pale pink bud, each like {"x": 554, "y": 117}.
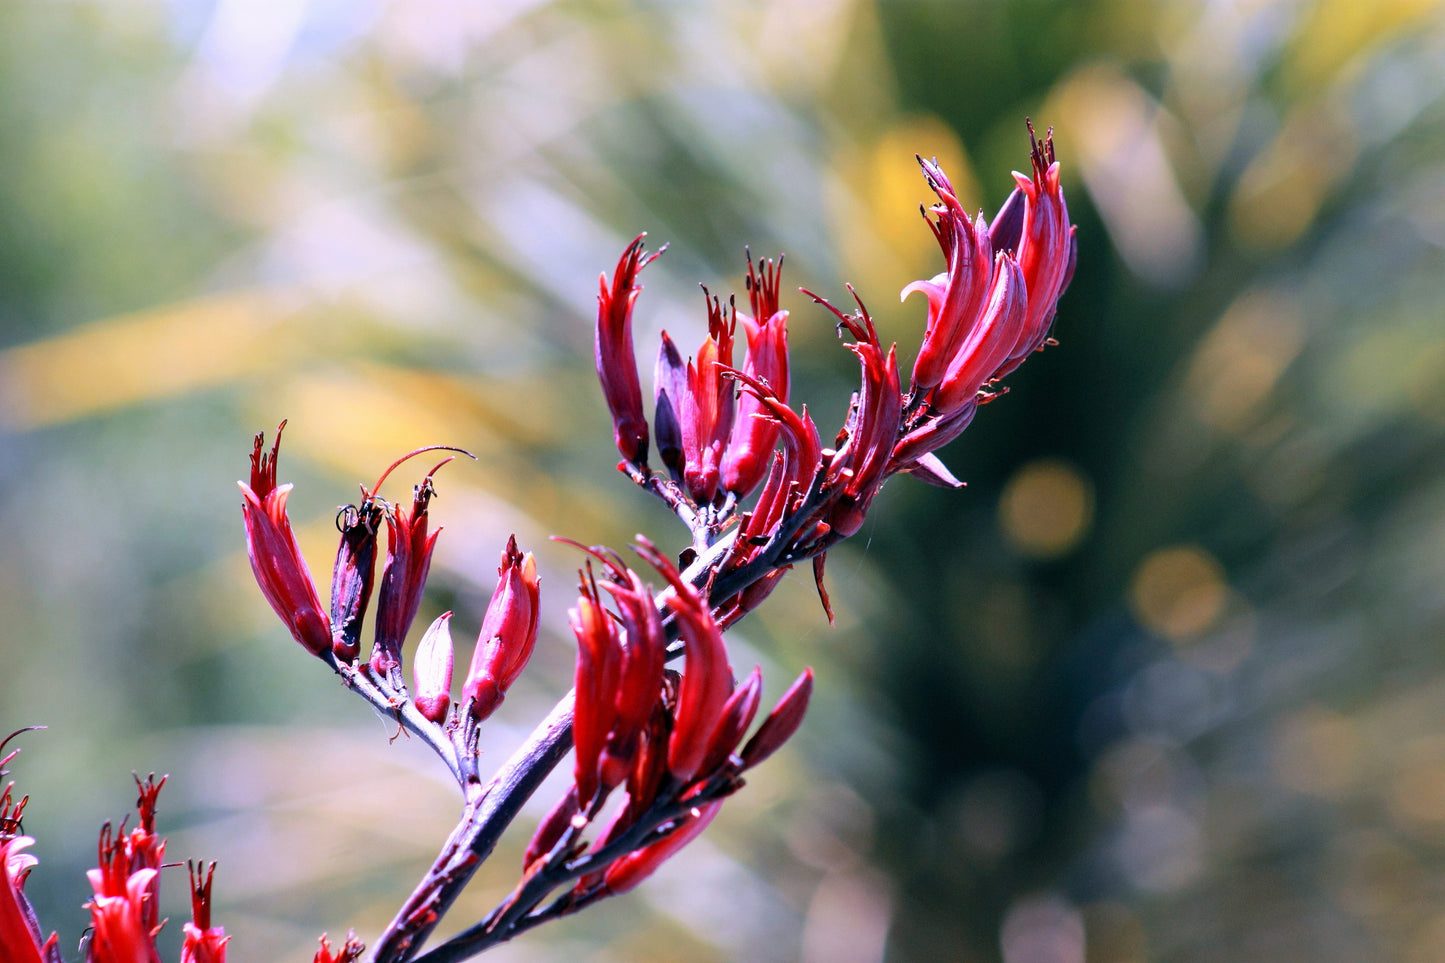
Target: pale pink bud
{"x": 432, "y": 672}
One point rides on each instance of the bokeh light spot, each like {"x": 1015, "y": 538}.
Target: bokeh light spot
{"x": 1046, "y": 508}
{"x": 1416, "y": 797}
{"x": 1317, "y": 751}
{"x": 1178, "y": 592}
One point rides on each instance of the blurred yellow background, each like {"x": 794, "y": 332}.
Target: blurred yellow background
{"x": 1165, "y": 682}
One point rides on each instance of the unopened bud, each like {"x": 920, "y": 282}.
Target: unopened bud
{"x": 433, "y": 670}
{"x": 509, "y": 633}
{"x": 781, "y": 723}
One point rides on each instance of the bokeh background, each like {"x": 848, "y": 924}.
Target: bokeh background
{"x": 1165, "y": 682}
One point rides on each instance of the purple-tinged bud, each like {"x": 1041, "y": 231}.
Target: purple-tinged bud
{"x": 509, "y": 633}
{"x": 432, "y": 672}
{"x": 669, "y": 381}
{"x": 613, "y": 352}
{"x": 781, "y": 723}
{"x": 353, "y": 574}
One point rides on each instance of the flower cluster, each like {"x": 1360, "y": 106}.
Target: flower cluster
{"x": 669, "y": 741}
{"x": 721, "y": 431}
{"x": 509, "y": 628}
{"x": 125, "y": 905}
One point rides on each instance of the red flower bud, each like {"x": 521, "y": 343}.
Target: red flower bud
{"x": 781, "y": 723}
{"x": 276, "y": 559}
{"x": 432, "y": 671}
{"x": 859, "y": 466}
{"x": 551, "y": 828}
{"x": 737, "y": 714}
{"x": 613, "y": 351}
{"x": 633, "y": 868}
{"x": 669, "y": 380}
{"x": 509, "y": 633}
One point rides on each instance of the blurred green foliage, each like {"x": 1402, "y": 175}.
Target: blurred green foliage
{"x": 1163, "y": 683}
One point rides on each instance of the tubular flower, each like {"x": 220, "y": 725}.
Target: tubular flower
{"x": 1047, "y": 247}
{"x": 276, "y": 559}
{"x": 673, "y": 741}
{"x": 696, "y": 405}
{"x": 509, "y": 633}
{"x": 989, "y": 309}
{"x": 633, "y": 868}
{"x": 859, "y": 466}
{"x": 755, "y": 433}
{"x": 117, "y": 919}
{"x": 348, "y": 952}
{"x": 619, "y": 676}
{"x": 408, "y": 560}
{"x": 613, "y": 352}
{"x": 707, "y": 680}
{"x": 20, "y": 938}
{"x": 203, "y": 942}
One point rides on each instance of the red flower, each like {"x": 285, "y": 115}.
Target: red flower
{"x": 615, "y": 359}
{"x": 1047, "y": 248}
{"x": 619, "y": 678}
{"x": 118, "y": 917}
{"x": 20, "y": 938}
{"x": 203, "y": 942}
{"x": 349, "y": 952}
{"x": 275, "y": 557}
{"x": 696, "y": 405}
{"x": 860, "y": 465}
{"x": 990, "y": 309}
{"x": 781, "y": 723}
{"x": 509, "y": 633}
{"x": 633, "y": 868}
{"x": 755, "y": 433}
{"x": 408, "y": 560}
